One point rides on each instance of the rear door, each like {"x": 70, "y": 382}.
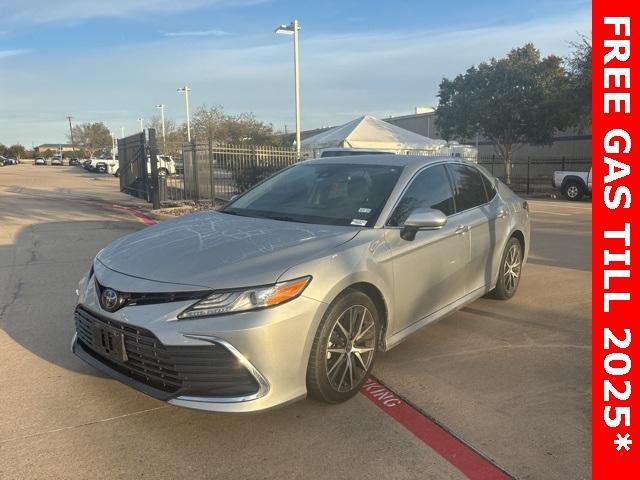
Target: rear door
{"x": 429, "y": 271}
{"x": 478, "y": 209}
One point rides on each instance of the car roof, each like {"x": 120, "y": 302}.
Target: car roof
{"x": 387, "y": 160}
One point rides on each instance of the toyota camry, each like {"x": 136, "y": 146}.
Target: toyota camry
{"x": 294, "y": 287}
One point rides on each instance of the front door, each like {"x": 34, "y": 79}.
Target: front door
{"x": 429, "y": 271}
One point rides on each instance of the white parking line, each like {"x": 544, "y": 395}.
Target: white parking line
{"x": 551, "y": 213}
{"x": 558, "y": 204}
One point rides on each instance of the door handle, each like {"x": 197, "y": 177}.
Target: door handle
{"x": 502, "y": 213}
{"x": 461, "y": 229}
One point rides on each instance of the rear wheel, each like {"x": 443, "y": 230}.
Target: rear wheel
{"x": 344, "y": 348}
{"x": 163, "y": 172}
{"x": 510, "y": 271}
{"x": 573, "y": 191}
{"x": 100, "y": 168}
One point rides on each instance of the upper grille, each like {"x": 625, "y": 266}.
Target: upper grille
{"x": 207, "y": 370}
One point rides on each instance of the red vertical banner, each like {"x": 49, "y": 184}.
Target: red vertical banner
{"x": 616, "y": 232}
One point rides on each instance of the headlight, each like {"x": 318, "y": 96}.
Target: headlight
{"x": 242, "y": 300}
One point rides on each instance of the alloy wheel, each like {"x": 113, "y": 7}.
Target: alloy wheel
{"x": 572, "y": 191}
{"x": 350, "y": 348}
{"x": 512, "y": 267}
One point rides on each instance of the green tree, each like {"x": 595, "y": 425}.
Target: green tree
{"x": 16, "y": 151}
{"x": 578, "y": 99}
{"x": 511, "y": 101}
{"x": 92, "y": 137}
{"x": 3, "y": 150}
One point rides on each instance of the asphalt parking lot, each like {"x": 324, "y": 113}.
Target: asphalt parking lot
{"x": 510, "y": 379}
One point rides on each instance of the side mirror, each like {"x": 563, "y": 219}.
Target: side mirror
{"x": 422, "y": 219}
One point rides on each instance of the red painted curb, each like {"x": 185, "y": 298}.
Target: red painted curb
{"x": 143, "y": 217}
{"x": 469, "y": 462}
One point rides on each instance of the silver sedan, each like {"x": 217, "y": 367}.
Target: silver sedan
{"x": 293, "y": 288}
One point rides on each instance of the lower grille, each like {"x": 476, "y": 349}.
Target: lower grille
{"x": 207, "y": 370}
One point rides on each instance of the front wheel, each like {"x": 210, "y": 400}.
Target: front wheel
{"x": 344, "y": 348}
{"x": 101, "y": 168}
{"x": 510, "y": 271}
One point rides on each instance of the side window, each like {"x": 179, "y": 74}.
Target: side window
{"x": 469, "y": 187}
{"x": 429, "y": 189}
{"x": 489, "y": 186}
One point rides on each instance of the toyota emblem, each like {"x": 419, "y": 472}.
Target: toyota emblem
{"x": 109, "y": 300}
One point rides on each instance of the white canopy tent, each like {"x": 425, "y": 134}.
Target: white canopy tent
{"x": 372, "y": 133}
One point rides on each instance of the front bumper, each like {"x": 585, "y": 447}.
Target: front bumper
{"x": 271, "y": 345}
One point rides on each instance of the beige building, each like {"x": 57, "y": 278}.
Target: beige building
{"x": 568, "y": 144}
{"x": 54, "y": 147}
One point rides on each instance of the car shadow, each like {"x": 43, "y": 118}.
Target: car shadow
{"x": 39, "y": 272}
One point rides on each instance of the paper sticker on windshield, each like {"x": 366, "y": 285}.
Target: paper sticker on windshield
{"x": 358, "y": 222}
{"x": 364, "y": 210}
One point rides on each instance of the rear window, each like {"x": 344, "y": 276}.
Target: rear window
{"x": 469, "y": 187}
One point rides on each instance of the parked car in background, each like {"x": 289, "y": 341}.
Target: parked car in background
{"x": 57, "y": 161}
{"x": 39, "y": 161}
{"x": 100, "y": 165}
{"x": 573, "y": 185}
{"x": 166, "y": 166}
{"x": 8, "y": 161}
{"x": 73, "y": 162}
{"x": 330, "y": 260}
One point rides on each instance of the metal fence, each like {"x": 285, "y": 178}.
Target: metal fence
{"x": 534, "y": 175}
{"x": 208, "y": 172}
{"x": 222, "y": 171}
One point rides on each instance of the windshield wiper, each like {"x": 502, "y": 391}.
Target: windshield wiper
{"x": 283, "y": 218}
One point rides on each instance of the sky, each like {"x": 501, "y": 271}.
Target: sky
{"x": 114, "y": 60}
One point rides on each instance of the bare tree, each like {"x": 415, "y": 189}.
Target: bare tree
{"x": 92, "y": 137}
{"x": 175, "y": 135}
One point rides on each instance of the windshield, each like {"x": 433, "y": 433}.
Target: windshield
{"x": 327, "y": 194}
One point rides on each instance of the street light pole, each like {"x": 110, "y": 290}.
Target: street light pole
{"x": 121, "y": 132}
{"x": 164, "y": 140}
{"x": 73, "y": 145}
{"x": 296, "y": 66}
{"x": 293, "y": 29}
{"x": 186, "y": 91}
{"x": 141, "y": 120}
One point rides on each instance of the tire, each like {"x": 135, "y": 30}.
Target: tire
{"x": 337, "y": 375}
{"x": 573, "y": 191}
{"x": 117, "y": 174}
{"x": 101, "y": 168}
{"x": 511, "y": 262}
{"x": 163, "y": 172}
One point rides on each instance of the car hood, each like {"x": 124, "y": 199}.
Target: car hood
{"x": 217, "y": 250}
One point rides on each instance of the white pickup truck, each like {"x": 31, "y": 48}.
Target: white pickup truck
{"x": 166, "y": 166}
{"x": 573, "y": 185}
{"x": 101, "y": 165}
